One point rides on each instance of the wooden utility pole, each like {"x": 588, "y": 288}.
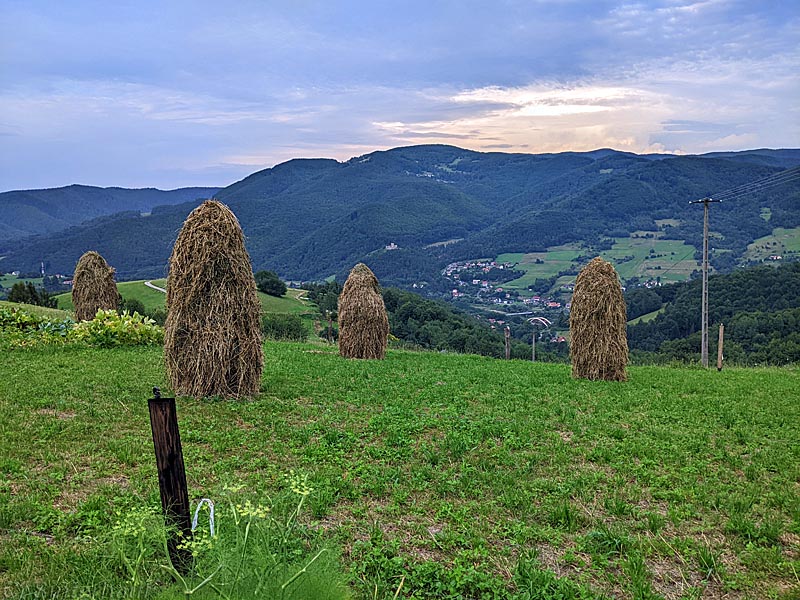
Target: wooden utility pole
{"x": 171, "y": 475}
{"x": 704, "y": 323}
{"x": 719, "y": 346}
{"x": 508, "y": 342}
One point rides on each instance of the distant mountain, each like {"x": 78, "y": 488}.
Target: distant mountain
{"x": 308, "y": 219}
{"x": 30, "y": 212}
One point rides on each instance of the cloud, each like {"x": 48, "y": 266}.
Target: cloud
{"x": 100, "y": 94}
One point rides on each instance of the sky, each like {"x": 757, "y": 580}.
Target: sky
{"x": 171, "y": 94}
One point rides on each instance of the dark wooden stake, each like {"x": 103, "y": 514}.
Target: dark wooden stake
{"x": 171, "y": 476}
{"x": 719, "y": 346}
{"x": 508, "y": 343}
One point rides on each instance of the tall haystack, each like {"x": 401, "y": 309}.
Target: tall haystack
{"x": 363, "y": 324}
{"x": 212, "y": 335}
{"x": 93, "y": 287}
{"x": 597, "y": 324}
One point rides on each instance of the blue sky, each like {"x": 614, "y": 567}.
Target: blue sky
{"x": 170, "y": 94}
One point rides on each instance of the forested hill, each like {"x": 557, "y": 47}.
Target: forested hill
{"x": 29, "y": 212}
{"x": 309, "y": 219}
{"x": 759, "y": 306}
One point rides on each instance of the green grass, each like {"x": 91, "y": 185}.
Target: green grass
{"x": 646, "y": 317}
{"x": 52, "y": 313}
{"x": 7, "y": 281}
{"x": 671, "y": 260}
{"x": 451, "y": 476}
{"x": 292, "y": 303}
{"x": 780, "y": 242}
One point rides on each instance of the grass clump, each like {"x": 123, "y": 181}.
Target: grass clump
{"x": 259, "y": 549}
{"x": 94, "y": 287}
{"x": 212, "y": 344}
{"x": 363, "y": 323}
{"x": 597, "y": 324}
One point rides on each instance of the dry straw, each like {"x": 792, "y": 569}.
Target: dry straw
{"x": 212, "y": 336}
{"x": 597, "y": 324}
{"x": 363, "y": 324}
{"x": 93, "y": 287}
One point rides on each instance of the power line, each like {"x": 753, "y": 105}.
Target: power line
{"x": 783, "y": 177}
{"x": 774, "y": 176}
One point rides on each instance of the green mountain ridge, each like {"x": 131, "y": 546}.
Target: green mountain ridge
{"x": 310, "y": 218}
{"x": 45, "y": 211}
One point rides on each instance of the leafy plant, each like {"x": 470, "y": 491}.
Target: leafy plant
{"x": 109, "y": 329}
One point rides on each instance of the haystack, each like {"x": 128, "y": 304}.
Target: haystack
{"x": 597, "y": 324}
{"x": 212, "y": 335}
{"x": 93, "y": 287}
{"x": 363, "y": 324}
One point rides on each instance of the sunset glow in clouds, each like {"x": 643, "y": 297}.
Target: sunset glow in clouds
{"x": 179, "y": 93}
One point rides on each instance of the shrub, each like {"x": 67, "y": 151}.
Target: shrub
{"x": 109, "y": 329}
{"x": 283, "y": 327}
{"x": 269, "y": 283}
{"x": 26, "y": 293}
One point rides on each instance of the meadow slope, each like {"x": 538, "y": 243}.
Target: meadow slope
{"x": 456, "y": 476}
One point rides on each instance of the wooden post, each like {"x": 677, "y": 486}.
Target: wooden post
{"x": 330, "y": 327}
{"x": 719, "y": 346}
{"x": 533, "y": 346}
{"x": 508, "y": 342}
{"x": 171, "y": 475}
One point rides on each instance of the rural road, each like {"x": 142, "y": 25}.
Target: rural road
{"x": 155, "y": 287}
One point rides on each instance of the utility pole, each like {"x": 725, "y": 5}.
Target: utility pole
{"x": 533, "y": 321}
{"x": 704, "y": 327}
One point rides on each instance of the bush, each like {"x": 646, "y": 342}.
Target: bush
{"x": 283, "y": 327}
{"x": 109, "y": 329}
{"x": 269, "y": 283}
{"x": 26, "y": 293}
{"x": 19, "y": 328}
{"x": 131, "y": 305}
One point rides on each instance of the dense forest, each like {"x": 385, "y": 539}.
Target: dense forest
{"x": 759, "y": 307}
{"x": 310, "y": 219}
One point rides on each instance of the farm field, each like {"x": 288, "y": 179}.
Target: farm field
{"x": 7, "y": 281}
{"x": 431, "y": 475}
{"x": 671, "y": 260}
{"x": 292, "y": 303}
{"x": 646, "y": 317}
{"x": 780, "y": 242}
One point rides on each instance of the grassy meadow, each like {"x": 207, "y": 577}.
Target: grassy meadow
{"x": 431, "y": 475}
{"x": 782, "y": 241}
{"x": 643, "y": 257}
{"x": 291, "y": 303}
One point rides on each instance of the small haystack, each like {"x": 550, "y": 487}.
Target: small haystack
{"x": 93, "y": 287}
{"x": 212, "y": 335}
{"x": 597, "y": 324}
{"x": 363, "y": 324}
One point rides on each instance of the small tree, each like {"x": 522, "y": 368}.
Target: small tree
{"x": 26, "y": 293}
{"x": 269, "y": 283}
